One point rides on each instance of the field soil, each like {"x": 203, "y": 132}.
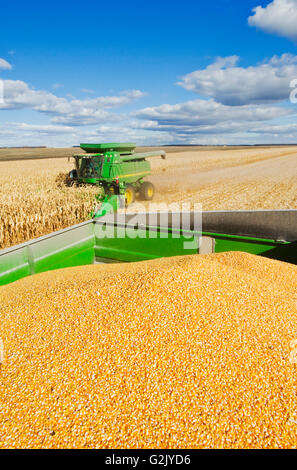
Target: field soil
{"x": 229, "y": 180}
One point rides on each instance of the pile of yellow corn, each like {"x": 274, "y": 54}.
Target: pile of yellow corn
{"x": 191, "y": 352}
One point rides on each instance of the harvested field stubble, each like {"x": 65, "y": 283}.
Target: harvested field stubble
{"x": 186, "y": 352}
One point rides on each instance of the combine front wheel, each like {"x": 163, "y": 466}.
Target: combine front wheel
{"x": 147, "y": 191}
{"x": 129, "y": 194}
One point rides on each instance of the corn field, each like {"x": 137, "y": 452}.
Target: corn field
{"x": 33, "y": 203}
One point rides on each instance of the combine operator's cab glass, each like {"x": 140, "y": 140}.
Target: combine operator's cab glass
{"x": 91, "y": 167}
{"x": 87, "y": 168}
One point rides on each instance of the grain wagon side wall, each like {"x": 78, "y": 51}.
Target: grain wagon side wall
{"x": 73, "y": 246}
{"x": 84, "y": 244}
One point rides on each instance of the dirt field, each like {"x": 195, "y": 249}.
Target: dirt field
{"x": 32, "y": 205}
{"x": 234, "y": 179}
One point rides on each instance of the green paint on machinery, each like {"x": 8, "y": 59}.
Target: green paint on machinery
{"x": 117, "y": 170}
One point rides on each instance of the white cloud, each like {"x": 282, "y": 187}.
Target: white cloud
{"x": 202, "y": 113}
{"x": 280, "y": 129}
{"x": 18, "y": 95}
{"x": 278, "y": 17}
{"x": 239, "y": 109}
{"x": 55, "y": 86}
{"x": 230, "y": 84}
{"x": 150, "y": 132}
{"x": 87, "y": 90}
{"x": 41, "y": 128}
{"x": 201, "y": 121}
{"x": 21, "y": 133}
{"x": 4, "y": 65}
{"x": 83, "y": 116}
{"x": 6, "y": 133}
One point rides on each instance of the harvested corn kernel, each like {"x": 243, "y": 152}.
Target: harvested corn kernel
{"x": 187, "y": 352}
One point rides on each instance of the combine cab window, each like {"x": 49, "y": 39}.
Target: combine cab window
{"x": 90, "y": 167}
{"x": 87, "y": 168}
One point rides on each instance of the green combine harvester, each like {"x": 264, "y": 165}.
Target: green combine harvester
{"x": 117, "y": 170}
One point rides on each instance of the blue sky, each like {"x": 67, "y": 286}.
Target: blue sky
{"x": 154, "y": 72}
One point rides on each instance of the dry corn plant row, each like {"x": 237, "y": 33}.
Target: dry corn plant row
{"x": 34, "y": 203}
{"x": 22, "y": 225}
{"x": 189, "y": 352}
{"x": 18, "y": 224}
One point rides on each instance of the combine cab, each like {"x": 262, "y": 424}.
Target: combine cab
{"x": 116, "y": 169}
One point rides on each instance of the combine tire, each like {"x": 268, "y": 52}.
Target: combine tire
{"x": 147, "y": 191}
{"x": 129, "y": 194}
{"x": 71, "y": 178}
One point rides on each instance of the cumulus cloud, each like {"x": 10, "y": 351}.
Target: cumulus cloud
{"x": 18, "y": 95}
{"x": 87, "y": 90}
{"x": 205, "y": 121}
{"x": 243, "y": 132}
{"x": 202, "y": 112}
{"x": 276, "y": 129}
{"x": 278, "y": 17}
{"x": 4, "y": 65}
{"x": 240, "y": 107}
{"x": 20, "y": 134}
{"x": 46, "y": 129}
{"x": 232, "y": 85}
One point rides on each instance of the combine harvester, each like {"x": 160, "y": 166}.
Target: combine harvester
{"x": 112, "y": 237}
{"x": 117, "y": 171}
